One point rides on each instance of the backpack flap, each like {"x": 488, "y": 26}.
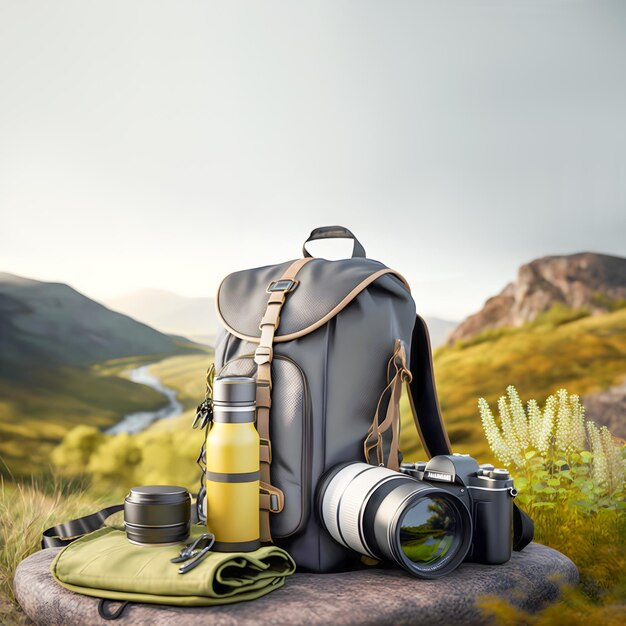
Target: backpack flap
{"x": 321, "y": 290}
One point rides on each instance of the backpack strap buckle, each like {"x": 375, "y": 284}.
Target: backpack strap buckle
{"x": 266, "y": 450}
{"x": 272, "y": 498}
{"x": 284, "y": 285}
{"x": 263, "y": 354}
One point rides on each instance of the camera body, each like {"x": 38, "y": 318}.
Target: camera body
{"x": 487, "y": 492}
{"x": 427, "y": 518}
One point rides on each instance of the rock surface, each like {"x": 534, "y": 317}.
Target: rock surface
{"x": 579, "y": 281}
{"x": 371, "y": 596}
{"x": 608, "y": 408}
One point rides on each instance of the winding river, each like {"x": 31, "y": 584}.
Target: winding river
{"x": 136, "y": 422}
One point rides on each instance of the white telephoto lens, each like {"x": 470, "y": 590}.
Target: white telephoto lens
{"x": 347, "y": 496}
{"x": 332, "y": 496}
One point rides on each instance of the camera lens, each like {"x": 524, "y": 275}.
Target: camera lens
{"x": 428, "y": 530}
{"x": 385, "y": 514}
{"x": 433, "y": 533}
{"x": 157, "y": 514}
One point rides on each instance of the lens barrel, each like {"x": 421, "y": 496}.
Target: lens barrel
{"x": 157, "y": 514}
{"x": 385, "y": 514}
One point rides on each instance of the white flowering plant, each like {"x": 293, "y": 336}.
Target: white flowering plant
{"x": 556, "y": 456}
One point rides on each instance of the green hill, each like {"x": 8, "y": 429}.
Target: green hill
{"x": 50, "y": 338}
{"x": 53, "y": 323}
{"x": 562, "y": 348}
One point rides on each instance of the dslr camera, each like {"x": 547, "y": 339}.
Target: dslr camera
{"x": 428, "y": 518}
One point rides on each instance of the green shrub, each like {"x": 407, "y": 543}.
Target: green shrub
{"x": 117, "y": 462}
{"x": 571, "y": 480}
{"x": 557, "y": 457}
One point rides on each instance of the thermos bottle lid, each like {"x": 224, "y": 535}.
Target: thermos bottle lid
{"x": 237, "y": 390}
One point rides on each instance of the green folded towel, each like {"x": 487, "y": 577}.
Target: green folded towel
{"x": 105, "y": 565}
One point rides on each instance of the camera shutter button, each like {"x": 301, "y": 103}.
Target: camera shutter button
{"x": 499, "y": 474}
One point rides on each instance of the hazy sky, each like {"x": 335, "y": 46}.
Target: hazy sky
{"x": 165, "y": 144}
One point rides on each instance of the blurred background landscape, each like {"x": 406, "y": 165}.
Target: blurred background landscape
{"x": 109, "y": 391}
{"x": 148, "y": 149}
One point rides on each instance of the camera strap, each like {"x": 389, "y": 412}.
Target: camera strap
{"x": 63, "y": 534}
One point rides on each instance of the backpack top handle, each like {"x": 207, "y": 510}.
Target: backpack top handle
{"x": 334, "y": 232}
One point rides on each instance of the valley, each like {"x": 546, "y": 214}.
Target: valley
{"x": 61, "y": 360}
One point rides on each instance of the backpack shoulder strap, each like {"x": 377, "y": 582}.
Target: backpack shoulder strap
{"x": 523, "y": 529}
{"x": 423, "y": 394}
{"x": 429, "y": 423}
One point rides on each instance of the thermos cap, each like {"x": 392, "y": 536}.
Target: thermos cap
{"x": 239, "y": 390}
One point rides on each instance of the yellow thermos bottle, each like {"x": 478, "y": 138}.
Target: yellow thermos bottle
{"x": 232, "y": 466}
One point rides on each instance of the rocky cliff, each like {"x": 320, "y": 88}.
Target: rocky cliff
{"x": 586, "y": 281}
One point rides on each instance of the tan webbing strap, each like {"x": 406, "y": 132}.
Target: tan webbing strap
{"x": 272, "y": 499}
{"x": 374, "y": 440}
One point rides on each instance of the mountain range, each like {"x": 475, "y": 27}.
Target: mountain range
{"x": 196, "y": 319}
{"x": 47, "y": 324}
{"x": 170, "y": 312}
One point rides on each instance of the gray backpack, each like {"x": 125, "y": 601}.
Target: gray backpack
{"x": 331, "y": 344}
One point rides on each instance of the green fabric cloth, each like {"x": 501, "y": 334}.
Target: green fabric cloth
{"x": 105, "y": 564}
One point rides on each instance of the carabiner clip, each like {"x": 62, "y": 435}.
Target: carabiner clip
{"x": 194, "y": 552}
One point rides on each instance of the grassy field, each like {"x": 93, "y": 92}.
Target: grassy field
{"x": 26, "y": 510}
{"x": 34, "y": 419}
{"x": 186, "y": 374}
{"x": 585, "y": 355}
